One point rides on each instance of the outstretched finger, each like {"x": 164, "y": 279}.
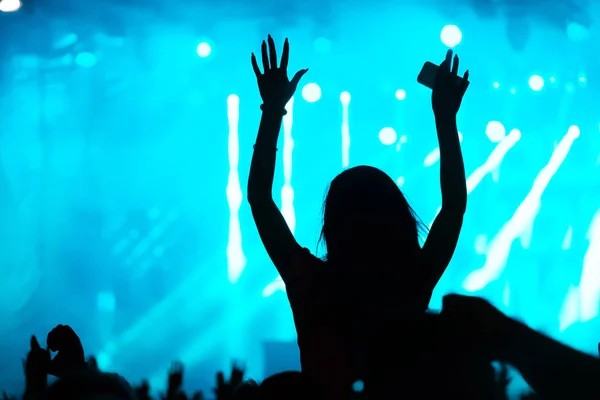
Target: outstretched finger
{"x": 34, "y": 343}
{"x": 296, "y": 79}
{"x": 255, "y": 66}
{"x": 465, "y": 82}
{"x": 272, "y": 53}
{"x": 444, "y": 68}
{"x": 285, "y": 56}
{"x": 455, "y": 65}
{"x": 265, "y": 57}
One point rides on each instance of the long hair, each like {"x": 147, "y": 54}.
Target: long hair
{"x": 362, "y": 198}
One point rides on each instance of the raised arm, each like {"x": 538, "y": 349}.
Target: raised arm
{"x": 275, "y": 90}
{"x": 439, "y": 247}
{"x": 553, "y": 370}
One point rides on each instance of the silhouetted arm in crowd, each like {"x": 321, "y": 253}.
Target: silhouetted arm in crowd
{"x": 442, "y": 239}
{"x": 553, "y": 370}
{"x": 36, "y": 371}
{"x": 275, "y": 90}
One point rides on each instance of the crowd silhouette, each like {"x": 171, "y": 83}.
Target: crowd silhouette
{"x": 361, "y": 312}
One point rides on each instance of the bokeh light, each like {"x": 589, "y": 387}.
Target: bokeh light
{"x": 451, "y": 35}
{"x": 388, "y": 136}
{"x": 495, "y": 131}
{"x": 311, "y": 92}
{"x": 400, "y": 94}
{"x": 86, "y": 60}
{"x": 10, "y": 5}
{"x": 345, "y": 98}
{"x": 203, "y": 49}
{"x": 536, "y": 83}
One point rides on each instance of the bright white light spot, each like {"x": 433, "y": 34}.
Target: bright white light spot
{"x": 358, "y": 386}
{"x": 345, "y": 98}
{"x": 496, "y": 85}
{"x": 86, "y": 60}
{"x": 451, "y": 36}
{"x": 388, "y": 136}
{"x": 553, "y": 79}
{"x": 10, "y": 5}
{"x": 495, "y": 131}
{"x": 311, "y": 92}
{"x": 400, "y": 181}
{"x": 513, "y": 91}
{"x": 460, "y": 137}
{"x": 582, "y": 79}
{"x": 536, "y": 83}
{"x": 516, "y": 134}
{"x": 574, "y": 131}
{"x": 203, "y": 49}
{"x": 403, "y": 139}
{"x": 400, "y": 94}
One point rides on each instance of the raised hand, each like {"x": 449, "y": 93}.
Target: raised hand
{"x": 477, "y": 322}
{"x": 175, "y": 377}
{"x": 275, "y": 87}
{"x": 70, "y": 350}
{"x": 36, "y": 366}
{"x": 448, "y": 89}
{"x": 226, "y": 388}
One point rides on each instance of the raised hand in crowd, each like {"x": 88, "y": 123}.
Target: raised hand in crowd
{"x": 446, "y": 98}
{"x": 276, "y": 89}
{"x": 226, "y": 388}
{"x": 142, "y": 392}
{"x": 36, "y": 370}
{"x": 448, "y": 89}
{"x": 175, "y": 383}
{"x": 92, "y": 364}
{"x": 551, "y": 369}
{"x": 70, "y": 357}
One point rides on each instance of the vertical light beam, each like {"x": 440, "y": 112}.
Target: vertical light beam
{"x": 236, "y": 260}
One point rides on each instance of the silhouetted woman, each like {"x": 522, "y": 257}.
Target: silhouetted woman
{"x": 374, "y": 266}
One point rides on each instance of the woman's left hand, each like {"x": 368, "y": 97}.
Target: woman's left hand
{"x": 449, "y": 88}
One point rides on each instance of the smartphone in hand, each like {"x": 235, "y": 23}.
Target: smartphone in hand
{"x": 428, "y": 73}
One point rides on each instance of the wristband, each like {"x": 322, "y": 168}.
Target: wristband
{"x": 282, "y": 110}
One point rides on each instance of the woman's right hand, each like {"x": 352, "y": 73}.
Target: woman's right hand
{"x": 275, "y": 88}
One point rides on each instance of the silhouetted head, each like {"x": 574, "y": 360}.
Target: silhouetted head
{"x": 366, "y": 216}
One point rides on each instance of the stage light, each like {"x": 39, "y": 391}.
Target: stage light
{"x": 311, "y": 92}
{"x": 451, "y": 36}
{"x": 536, "y": 83}
{"x": 400, "y": 94}
{"x": 358, "y": 386}
{"x": 495, "y": 131}
{"x": 86, "y": 60}
{"x": 574, "y": 131}
{"x": 388, "y": 136}
{"x": 345, "y": 98}
{"x": 203, "y": 49}
{"x": 10, "y": 5}
{"x": 496, "y": 85}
